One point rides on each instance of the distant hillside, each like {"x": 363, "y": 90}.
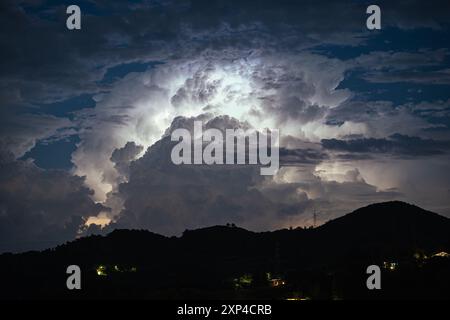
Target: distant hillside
{"x": 209, "y": 262}
{"x": 386, "y": 228}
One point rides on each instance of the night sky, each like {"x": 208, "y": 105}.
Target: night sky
{"x": 85, "y": 114}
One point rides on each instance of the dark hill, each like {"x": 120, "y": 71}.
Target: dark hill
{"x": 209, "y": 262}
{"x": 389, "y": 215}
{"x": 389, "y": 228}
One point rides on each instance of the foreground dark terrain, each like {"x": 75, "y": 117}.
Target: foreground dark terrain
{"x": 227, "y": 262}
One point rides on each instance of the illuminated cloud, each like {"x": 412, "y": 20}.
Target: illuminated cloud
{"x": 260, "y": 90}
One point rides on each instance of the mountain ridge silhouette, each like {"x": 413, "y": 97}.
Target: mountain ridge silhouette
{"x": 205, "y": 261}
{"x": 375, "y": 220}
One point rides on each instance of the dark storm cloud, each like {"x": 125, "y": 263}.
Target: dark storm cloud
{"x": 423, "y": 66}
{"x": 126, "y": 154}
{"x": 353, "y": 156}
{"x": 439, "y": 109}
{"x": 167, "y": 198}
{"x": 292, "y": 157}
{"x": 123, "y": 156}
{"x": 289, "y": 105}
{"x": 390, "y": 60}
{"x": 292, "y": 151}
{"x": 407, "y": 14}
{"x": 427, "y": 77}
{"x": 384, "y": 118}
{"x": 20, "y": 133}
{"x": 398, "y": 145}
{"x": 67, "y": 63}
{"x": 40, "y": 208}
